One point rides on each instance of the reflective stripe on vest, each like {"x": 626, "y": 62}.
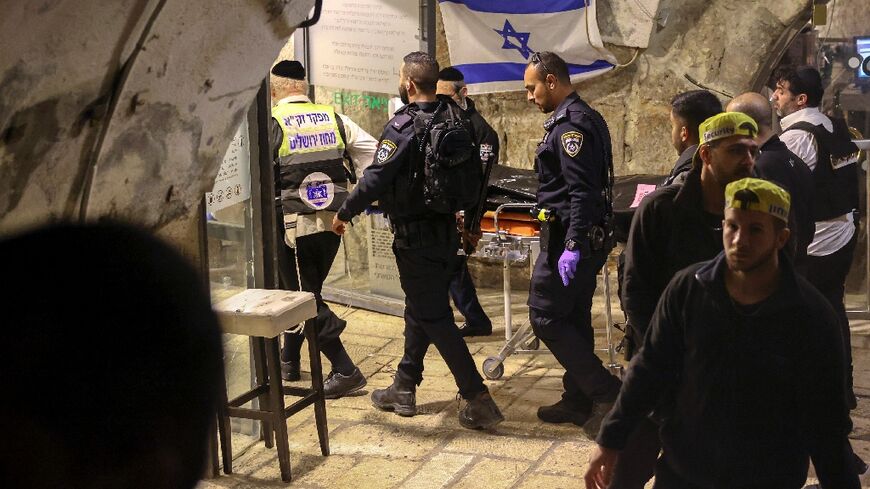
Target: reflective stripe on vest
{"x": 311, "y": 166}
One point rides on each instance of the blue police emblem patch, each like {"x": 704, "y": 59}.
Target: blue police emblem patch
{"x": 385, "y": 150}
{"x": 572, "y": 141}
{"x": 317, "y": 190}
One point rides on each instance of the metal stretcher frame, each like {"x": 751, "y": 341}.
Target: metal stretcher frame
{"x": 514, "y": 248}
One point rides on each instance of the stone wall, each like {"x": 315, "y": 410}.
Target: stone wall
{"x": 721, "y": 43}
{"x": 125, "y": 109}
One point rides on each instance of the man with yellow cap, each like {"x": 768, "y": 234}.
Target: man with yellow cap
{"x": 744, "y": 364}
{"x": 674, "y": 227}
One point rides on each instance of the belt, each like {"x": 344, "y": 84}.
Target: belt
{"x": 422, "y": 233}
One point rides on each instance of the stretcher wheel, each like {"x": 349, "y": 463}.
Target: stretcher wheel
{"x": 493, "y": 368}
{"x": 533, "y": 344}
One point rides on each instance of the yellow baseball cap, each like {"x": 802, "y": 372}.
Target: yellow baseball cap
{"x": 724, "y": 125}
{"x": 754, "y": 194}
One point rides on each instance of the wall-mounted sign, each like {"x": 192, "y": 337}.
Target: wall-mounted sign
{"x": 233, "y": 181}
{"x": 359, "y": 44}
{"x": 361, "y": 101}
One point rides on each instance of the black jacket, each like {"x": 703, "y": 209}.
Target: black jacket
{"x": 389, "y": 178}
{"x": 572, "y": 164}
{"x": 746, "y": 395}
{"x": 682, "y": 166}
{"x": 483, "y": 132}
{"x": 669, "y": 232}
{"x": 779, "y": 165}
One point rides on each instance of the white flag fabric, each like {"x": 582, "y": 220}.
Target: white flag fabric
{"x": 491, "y": 41}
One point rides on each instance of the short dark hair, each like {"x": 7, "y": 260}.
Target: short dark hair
{"x": 454, "y": 76}
{"x": 451, "y": 74}
{"x": 802, "y": 80}
{"x": 548, "y": 63}
{"x": 422, "y": 69}
{"x": 695, "y": 107}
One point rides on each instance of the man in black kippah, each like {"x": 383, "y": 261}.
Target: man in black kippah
{"x": 289, "y": 69}
{"x": 315, "y": 150}
{"x": 451, "y": 82}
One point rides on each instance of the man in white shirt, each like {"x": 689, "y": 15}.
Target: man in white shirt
{"x": 796, "y": 99}
{"x": 312, "y": 147}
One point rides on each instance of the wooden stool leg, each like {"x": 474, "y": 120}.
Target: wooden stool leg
{"x": 212, "y": 466}
{"x": 258, "y": 347}
{"x": 279, "y": 421}
{"x": 317, "y": 385}
{"x": 224, "y": 429}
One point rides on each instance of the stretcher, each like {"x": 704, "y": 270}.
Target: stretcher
{"x": 511, "y": 235}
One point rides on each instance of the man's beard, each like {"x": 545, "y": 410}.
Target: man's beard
{"x": 756, "y": 264}
{"x": 403, "y": 95}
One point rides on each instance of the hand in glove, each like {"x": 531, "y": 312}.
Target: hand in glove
{"x": 568, "y": 265}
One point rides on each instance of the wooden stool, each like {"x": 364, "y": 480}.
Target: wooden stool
{"x": 264, "y": 315}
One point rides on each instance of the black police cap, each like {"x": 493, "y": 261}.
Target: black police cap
{"x": 289, "y": 69}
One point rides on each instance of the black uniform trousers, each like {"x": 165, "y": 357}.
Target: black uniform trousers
{"x": 425, "y": 275}
{"x": 464, "y": 295}
{"x": 562, "y": 318}
{"x": 828, "y": 275}
{"x": 315, "y": 253}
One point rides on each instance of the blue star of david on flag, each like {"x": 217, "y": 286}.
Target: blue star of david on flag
{"x": 507, "y": 32}
{"x": 489, "y": 40}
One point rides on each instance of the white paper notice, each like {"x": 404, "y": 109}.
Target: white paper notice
{"x": 233, "y": 181}
{"x": 359, "y": 44}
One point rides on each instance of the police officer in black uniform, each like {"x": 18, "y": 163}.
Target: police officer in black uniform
{"x": 574, "y": 167}
{"x": 451, "y": 82}
{"x": 424, "y": 244}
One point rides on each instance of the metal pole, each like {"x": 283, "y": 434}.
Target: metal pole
{"x": 607, "y": 314}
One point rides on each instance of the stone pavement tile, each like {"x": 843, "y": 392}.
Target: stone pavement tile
{"x": 568, "y": 459}
{"x": 374, "y": 472}
{"x": 438, "y": 471}
{"x": 442, "y": 384}
{"x": 492, "y": 474}
{"x": 552, "y": 379}
{"x": 396, "y": 348}
{"x": 522, "y": 410}
{"x": 377, "y": 362}
{"x": 321, "y": 471}
{"x": 349, "y": 338}
{"x": 535, "y": 481}
{"x": 408, "y": 442}
{"x": 498, "y": 445}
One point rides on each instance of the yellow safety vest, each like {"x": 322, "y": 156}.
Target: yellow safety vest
{"x": 311, "y": 171}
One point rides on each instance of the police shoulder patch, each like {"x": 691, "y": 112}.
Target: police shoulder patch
{"x": 572, "y": 141}
{"x": 386, "y": 148}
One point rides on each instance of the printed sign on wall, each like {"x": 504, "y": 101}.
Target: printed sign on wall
{"x": 233, "y": 181}
{"x": 359, "y": 44}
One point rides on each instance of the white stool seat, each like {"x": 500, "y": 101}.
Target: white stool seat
{"x": 265, "y": 313}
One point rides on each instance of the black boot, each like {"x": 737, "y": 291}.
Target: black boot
{"x": 290, "y": 371}
{"x": 466, "y": 330}
{"x": 337, "y": 385}
{"x": 563, "y": 412}
{"x": 399, "y": 397}
{"x": 480, "y": 412}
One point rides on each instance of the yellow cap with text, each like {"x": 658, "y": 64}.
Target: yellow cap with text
{"x": 754, "y": 194}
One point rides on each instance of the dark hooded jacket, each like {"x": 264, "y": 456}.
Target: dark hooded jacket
{"x": 747, "y": 394}
{"x": 669, "y": 232}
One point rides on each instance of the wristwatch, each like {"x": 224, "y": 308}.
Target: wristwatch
{"x": 570, "y": 245}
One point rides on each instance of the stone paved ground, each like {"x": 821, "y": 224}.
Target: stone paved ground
{"x": 375, "y": 449}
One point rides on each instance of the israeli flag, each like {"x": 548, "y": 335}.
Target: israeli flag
{"x": 491, "y": 41}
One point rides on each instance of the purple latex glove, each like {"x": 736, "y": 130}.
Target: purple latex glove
{"x": 568, "y": 265}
